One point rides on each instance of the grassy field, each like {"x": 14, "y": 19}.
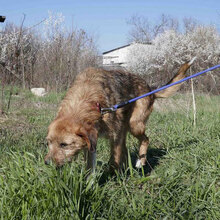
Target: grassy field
{"x": 181, "y": 181}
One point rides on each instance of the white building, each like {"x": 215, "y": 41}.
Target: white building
{"x": 118, "y": 56}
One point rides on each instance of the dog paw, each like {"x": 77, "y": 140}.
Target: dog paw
{"x": 138, "y": 164}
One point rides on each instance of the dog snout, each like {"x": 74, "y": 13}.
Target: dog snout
{"x": 47, "y": 162}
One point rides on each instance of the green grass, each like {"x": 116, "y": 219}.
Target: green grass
{"x": 182, "y": 180}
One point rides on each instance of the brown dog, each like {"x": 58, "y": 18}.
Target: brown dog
{"x": 79, "y": 121}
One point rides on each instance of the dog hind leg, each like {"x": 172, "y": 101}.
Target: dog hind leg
{"x": 143, "y": 141}
{"x": 140, "y": 114}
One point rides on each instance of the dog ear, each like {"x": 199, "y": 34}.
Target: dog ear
{"x": 90, "y": 136}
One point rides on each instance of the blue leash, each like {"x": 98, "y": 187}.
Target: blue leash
{"x": 122, "y": 104}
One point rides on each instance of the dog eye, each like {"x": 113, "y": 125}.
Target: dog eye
{"x": 63, "y": 145}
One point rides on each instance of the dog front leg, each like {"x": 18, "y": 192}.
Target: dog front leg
{"x": 118, "y": 159}
{"x": 91, "y": 160}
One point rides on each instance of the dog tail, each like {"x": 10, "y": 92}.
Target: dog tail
{"x": 180, "y": 75}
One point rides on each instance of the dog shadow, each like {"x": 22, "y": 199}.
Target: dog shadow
{"x": 153, "y": 158}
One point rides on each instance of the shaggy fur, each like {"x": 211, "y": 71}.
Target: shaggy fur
{"x": 79, "y": 122}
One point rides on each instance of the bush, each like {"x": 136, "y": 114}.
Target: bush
{"x": 159, "y": 61}
{"x": 51, "y": 59}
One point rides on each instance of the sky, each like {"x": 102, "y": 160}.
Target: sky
{"x": 107, "y": 19}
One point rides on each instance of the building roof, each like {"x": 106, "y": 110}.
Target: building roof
{"x": 127, "y": 45}
{"x": 115, "y": 49}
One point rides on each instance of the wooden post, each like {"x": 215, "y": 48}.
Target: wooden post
{"x": 193, "y": 100}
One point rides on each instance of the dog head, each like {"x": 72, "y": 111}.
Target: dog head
{"x": 67, "y": 137}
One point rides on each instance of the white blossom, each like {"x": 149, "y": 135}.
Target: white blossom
{"x": 171, "y": 48}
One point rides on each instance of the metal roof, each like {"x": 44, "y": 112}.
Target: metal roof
{"x": 127, "y": 45}
{"x": 116, "y": 49}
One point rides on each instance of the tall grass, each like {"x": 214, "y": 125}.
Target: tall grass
{"x": 181, "y": 181}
